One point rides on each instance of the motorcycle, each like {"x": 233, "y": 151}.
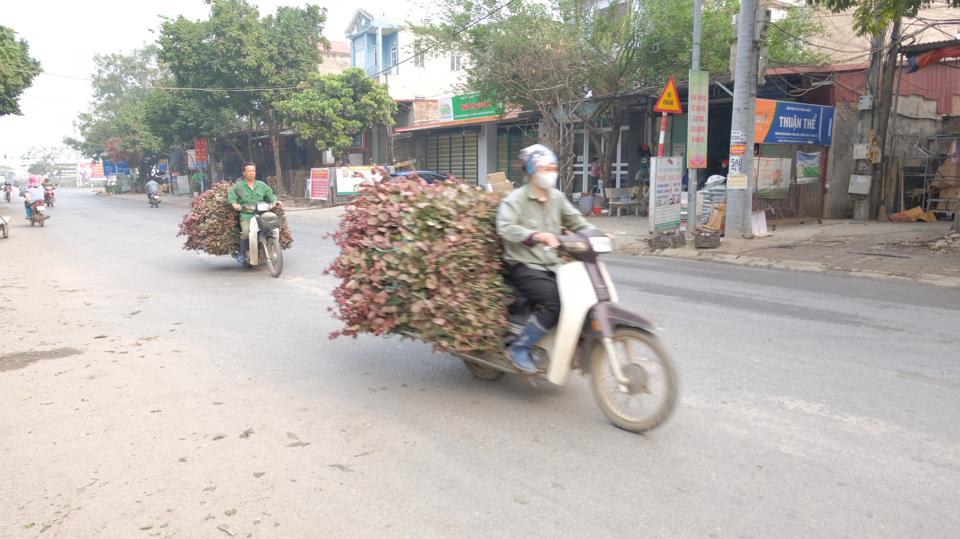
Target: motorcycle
{"x": 38, "y": 213}
{"x": 619, "y": 349}
{"x": 48, "y": 196}
{"x": 264, "y": 239}
{"x": 7, "y": 189}
{"x": 4, "y": 227}
{"x": 155, "y": 200}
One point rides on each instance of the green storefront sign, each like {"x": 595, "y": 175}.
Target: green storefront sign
{"x": 471, "y": 105}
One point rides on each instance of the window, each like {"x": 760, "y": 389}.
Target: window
{"x": 418, "y": 60}
{"x": 395, "y": 60}
{"x": 454, "y": 62}
{"x": 359, "y": 54}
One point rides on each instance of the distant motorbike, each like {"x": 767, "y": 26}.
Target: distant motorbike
{"x": 38, "y": 213}
{"x": 7, "y": 189}
{"x": 155, "y": 200}
{"x": 48, "y": 197}
{"x": 264, "y": 239}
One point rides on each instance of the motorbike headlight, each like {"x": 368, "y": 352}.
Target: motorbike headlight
{"x": 602, "y": 244}
{"x": 262, "y": 206}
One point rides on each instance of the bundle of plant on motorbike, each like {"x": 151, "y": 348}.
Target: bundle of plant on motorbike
{"x": 421, "y": 259}
{"x": 211, "y": 224}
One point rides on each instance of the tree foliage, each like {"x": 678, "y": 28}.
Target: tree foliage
{"x": 43, "y": 159}
{"x": 873, "y": 16}
{"x": 116, "y": 126}
{"x": 257, "y": 61}
{"x": 17, "y": 70}
{"x": 329, "y": 109}
{"x": 573, "y": 63}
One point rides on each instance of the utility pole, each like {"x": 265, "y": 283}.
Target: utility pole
{"x": 740, "y": 173}
{"x": 692, "y": 176}
{"x": 863, "y": 205}
{"x": 887, "y": 174}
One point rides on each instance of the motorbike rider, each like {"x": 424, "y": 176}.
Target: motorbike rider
{"x": 48, "y": 188}
{"x": 152, "y": 187}
{"x": 528, "y": 220}
{"x": 246, "y": 193}
{"x": 33, "y": 195}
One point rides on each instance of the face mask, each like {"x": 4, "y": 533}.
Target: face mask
{"x": 545, "y": 180}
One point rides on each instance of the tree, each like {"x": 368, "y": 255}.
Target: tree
{"x": 17, "y": 70}
{"x": 873, "y": 16}
{"x": 329, "y": 109}
{"x": 43, "y": 159}
{"x": 116, "y": 126}
{"x": 260, "y": 60}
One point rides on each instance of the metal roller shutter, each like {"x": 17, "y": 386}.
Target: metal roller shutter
{"x": 454, "y": 153}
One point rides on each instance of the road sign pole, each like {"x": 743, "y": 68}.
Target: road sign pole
{"x": 663, "y": 133}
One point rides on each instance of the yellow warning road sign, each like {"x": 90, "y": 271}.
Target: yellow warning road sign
{"x": 669, "y": 101}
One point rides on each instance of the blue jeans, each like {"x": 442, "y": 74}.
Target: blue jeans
{"x": 26, "y": 206}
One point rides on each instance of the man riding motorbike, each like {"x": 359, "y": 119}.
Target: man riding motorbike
{"x": 152, "y": 187}
{"x": 32, "y": 195}
{"x": 529, "y": 219}
{"x": 245, "y": 194}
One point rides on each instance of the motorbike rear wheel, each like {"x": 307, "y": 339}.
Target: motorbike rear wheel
{"x": 642, "y": 357}
{"x": 274, "y": 257}
{"x": 483, "y": 372}
{"x": 42, "y": 220}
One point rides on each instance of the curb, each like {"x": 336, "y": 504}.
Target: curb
{"x": 810, "y": 267}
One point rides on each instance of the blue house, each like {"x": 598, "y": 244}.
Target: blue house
{"x": 374, "y": 43}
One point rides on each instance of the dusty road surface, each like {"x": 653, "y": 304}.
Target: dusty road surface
{"x": 150, "y": 392}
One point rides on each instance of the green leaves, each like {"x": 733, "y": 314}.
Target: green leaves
{"x": 421, "y": 259}
{"x": 873, "y": 16}
{"x": 330, "y": 109}
{"x": 17, "y": 70}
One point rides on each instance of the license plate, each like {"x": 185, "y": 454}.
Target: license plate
{"x": 41, "y": 208}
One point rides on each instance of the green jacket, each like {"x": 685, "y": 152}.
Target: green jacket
{"x": 521, "y": 215}
{"x": 241, "y": 194}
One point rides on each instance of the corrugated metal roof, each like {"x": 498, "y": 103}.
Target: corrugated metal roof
{"x": 924, "y": 47}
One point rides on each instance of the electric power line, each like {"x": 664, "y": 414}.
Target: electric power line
{"x": 473, "y": 23}
{"x": 812, "y": 44}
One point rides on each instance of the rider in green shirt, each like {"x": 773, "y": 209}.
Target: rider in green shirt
{"x": 245, "y": 194}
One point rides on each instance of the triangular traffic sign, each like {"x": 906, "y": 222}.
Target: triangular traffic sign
{"x": 669, "y": 100}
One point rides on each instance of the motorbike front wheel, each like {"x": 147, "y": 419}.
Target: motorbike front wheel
{"x": 650, "y": 395}
{"x": 274, "y": 256}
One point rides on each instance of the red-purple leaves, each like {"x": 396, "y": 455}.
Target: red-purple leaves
{"x": 422, "y": 259}
{"x": 211, "y": 224}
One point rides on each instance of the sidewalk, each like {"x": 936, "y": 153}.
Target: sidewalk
{"x": 893, "y": 251}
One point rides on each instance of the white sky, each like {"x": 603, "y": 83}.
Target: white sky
{"x": 64, "y": 36}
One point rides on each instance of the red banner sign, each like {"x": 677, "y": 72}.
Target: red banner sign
{"x": 320, "y": 183}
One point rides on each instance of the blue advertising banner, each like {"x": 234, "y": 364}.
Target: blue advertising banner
{"x": 784, "y": 122}
{"x": 112, "y": 169}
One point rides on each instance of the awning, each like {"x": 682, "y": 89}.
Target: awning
{"x": 923, "y": 55}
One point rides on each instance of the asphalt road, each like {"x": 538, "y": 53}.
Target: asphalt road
{"x": 149, "y": 391}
